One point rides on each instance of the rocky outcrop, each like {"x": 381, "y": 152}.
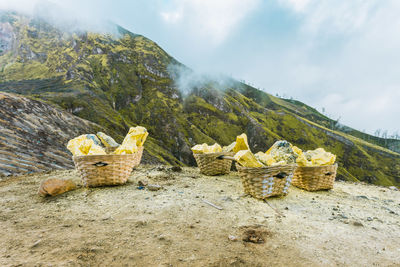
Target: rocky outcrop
{"x": 33, "y": 135}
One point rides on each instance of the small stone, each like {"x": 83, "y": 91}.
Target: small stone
{"x": 143, "y": 182}
{"x": 227, "y": 199}
{"x": 154, "y": 187}
{"x": 176, "y": 169}
{"x": 369, "y": 219}
{"x": 363, "y": 197}
{"x": 357, "y": 223}
{"x": 233, "y": 238}
{"x": 286, "y": 208}
{"x": 335, "y": 209}
{"x": 36, "y": 243}
{"x": 393, "y": 188}
{"x": 343, "y": 216}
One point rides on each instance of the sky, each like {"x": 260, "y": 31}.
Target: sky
{"x": 339, "y": 56}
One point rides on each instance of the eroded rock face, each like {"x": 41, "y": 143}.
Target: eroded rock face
{"x": 33, "y": 135}
{"x": 53, "y": 187}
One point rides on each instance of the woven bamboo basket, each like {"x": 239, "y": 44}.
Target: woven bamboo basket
{"x": 210, "y": 164}
{"x": 102, "y": 170}
{"x": 266, "y": 182}
{"x": 315, "y": 178}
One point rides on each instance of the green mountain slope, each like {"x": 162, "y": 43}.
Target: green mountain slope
{"x": 124, "y": 80}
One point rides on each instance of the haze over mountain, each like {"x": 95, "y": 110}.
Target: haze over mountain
{"x": 125, "y": 79}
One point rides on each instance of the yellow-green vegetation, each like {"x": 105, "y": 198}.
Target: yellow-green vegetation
{"x": 126, "y": 80}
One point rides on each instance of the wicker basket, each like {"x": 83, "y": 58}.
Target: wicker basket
{"x": 315, "y": 178}
{"x": 266, "y": 182}
{"x": 101, "y": 170}
{"x": 209, "y": 163}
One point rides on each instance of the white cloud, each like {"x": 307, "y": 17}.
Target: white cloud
{"x": 212, "y": 19}
{"x": 297, "y": 5}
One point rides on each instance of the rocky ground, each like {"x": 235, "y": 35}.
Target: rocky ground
{"x": 351, "y": 225}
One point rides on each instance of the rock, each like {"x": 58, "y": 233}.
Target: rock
{"x": 393, "y": 188}
{"x": 36, "y": 243}
{"x": 233, "y": 238}
{"x": 254, "y": 236}
{"x": 154, "y": 187}
{"x": 53, "y": 187}
{"x": 369, "y": 219}
{"x": 363, "y": 197}
{"x": 175, "y": 169}
{"x": 343, "y": 216}
{"x": 143, "y": 182}
{"x": 227, "y": 199}
{"x": 357, "y": 223}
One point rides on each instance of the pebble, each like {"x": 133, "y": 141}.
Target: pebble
{"x": 369, "y": 219}
{"x": 154, "y": 187}
{"x": 233, "y": 238}
{"x": 227, "y": 199}
{"x": 364, "y": 197}
{"x": 357, "y": 223}
{"x": 143, "y": 182}
{"x": 343, "y": 216}
{"x": 36, "y": 243}
{"x": 175, "y": 169}
{"x": 393, "y": 188}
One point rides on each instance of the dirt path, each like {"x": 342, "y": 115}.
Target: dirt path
{"x": 352, "y": 225}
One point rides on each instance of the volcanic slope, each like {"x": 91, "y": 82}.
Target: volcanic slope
{"x": 125, "y": 79}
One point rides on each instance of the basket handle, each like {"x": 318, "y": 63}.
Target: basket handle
{"x": 225, "y": 157}
{"x": 100, "y": 164}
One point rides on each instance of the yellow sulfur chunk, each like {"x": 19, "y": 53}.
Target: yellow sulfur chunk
{"x": 204, "y": 148}
{"x": 139, "y": 133}
{"x": 319, "y": 157}
{"x": 96, "y": 150}
{"x": 266, "y": 159}
{"x": 106, "y": 140}
{"x": 128, "y": 147}
{"x": 247, "y": 159}
{"x": 282, "y": 151}
{"x": 134, "y": 139}
{"x": 301, "y": 158}
{"x": 84, "y": 145}
{"x": 214, "y": 148}
{"x": 229, "y": 148}
{"x": 282, "y": 162}
{"x": 241, "y": 143}
{"x": 199, "y": 149}
{"x": 73, "y": 145}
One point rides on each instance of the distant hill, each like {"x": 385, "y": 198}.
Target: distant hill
{"x": 126, "y": 79}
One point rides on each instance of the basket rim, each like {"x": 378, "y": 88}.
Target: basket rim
{"x": 268, "y": 167}
{"x": 108, "y": 155}
{"x": 317, "y": 167}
